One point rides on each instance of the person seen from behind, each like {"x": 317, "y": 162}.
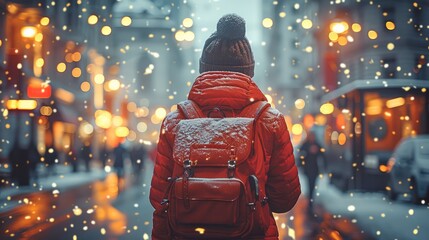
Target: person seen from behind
{"x": 86, "y": 154}
{"x": 223, "y": 89}
{"x": 309, "y": 152}
{"x": 119, "y": 153}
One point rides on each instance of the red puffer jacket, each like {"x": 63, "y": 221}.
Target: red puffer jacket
{"x": 231, "y": 92}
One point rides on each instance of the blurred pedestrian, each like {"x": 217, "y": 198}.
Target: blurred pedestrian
{"x": 14, "y": 155}
{"x": 137, "y": 156}
{"x": 34, "y": 160}
{"x": 310, "y": 152}
{"x": 87, "y": 155}
{"x": 104, "y": 155}
{"x": 73, "y": 160}
{"x": 18, "y": 157}
{"x": 119, "y": 153}
{"x": 51, "y": 159}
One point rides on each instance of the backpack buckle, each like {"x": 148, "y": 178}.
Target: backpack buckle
{"x": 187, "y": 165}
{"x": 231, "y": 168}
{"x": 231, "y": 164}
{"x": 164, "y": 201}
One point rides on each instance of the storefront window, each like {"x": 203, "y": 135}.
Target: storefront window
{"x": 389, "y": 118}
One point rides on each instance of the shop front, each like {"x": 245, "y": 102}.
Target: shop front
{"x": 370, "y": 118}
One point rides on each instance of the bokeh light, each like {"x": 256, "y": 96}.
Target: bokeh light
{"x": 333, "y": 36}
{"x": 76, "y": 72}
{"x": 300, "y": 103}
{"x": 61, "y": 67}
{"x": 99, "y": 78}
{"x": 188, "y": 22}
{"x": 112, "y": 85}
{"x": 372, "y": 34}
{"x": 297, "y": 129}
{"x": 180, "y": 36}
{"x": 126, "y": 21}
{"x": 85, "y": 86}
{"x": 28, "y": 31}
{"x": 93, "y": 19}
{"x": 390, "y": 25}
{"x": 356, "y": 27}
{"x": 307, "y": 24}
{"x": 122, "y": 131}
{"x": 339, "y": 27}
{"x": 327, "y": 108}
{"x": 342, "y": 41}
{"x": 267, "y": 23}
{"x": 161, "y": 112}
{"x": 44, "y": 21}
{"x": 106, "y": 30}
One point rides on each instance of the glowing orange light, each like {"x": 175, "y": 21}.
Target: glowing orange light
{"x": 390, "y": 25}
{"x": 28, "y": 31}
{"x": 372, "y": 34}
{"x": 327, "y": 108}
{"x": 333, "y": 36}
{"x": 395, "y": 102}
{"x": 308, "y": 121}
{"x": 342, "y": 40}
{"x": 342, "y": 139}
{"x": 383, "y": 168}
{"x": 356, "y": 27}
{"x": 39, "y": 90}
{"x": 339, "y": 27}
{"x": 21, "y": 104}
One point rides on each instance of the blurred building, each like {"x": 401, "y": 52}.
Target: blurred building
{"x": 375, "y": 66}
{"x": 49, "y": 49}
{"x": 360, "y": 68}
{"x": 152, "y": 44}
{"x": 292, "y": 59}
{"x": 92, "y": 71}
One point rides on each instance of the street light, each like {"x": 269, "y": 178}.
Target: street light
{"x": 103, "y": 119}
{"x": 339, "y": 30}
{"x": 112, "y": 85}
{"x": 21, "y": 104}
{"x": 339, "y": 27}
{"x": 28, "y": 31}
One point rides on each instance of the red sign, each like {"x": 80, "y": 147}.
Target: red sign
{"x": 331, "y": 70}
{"x": 39, "y": 90}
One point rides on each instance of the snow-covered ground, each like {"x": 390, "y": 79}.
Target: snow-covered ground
{"x": 62, "y": 180}
{"x": 374, "y": 213}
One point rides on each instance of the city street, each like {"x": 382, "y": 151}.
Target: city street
{"x": 90, "y": 211}
{"x": 92, "y": 93}
{"x": 98, "y": 211}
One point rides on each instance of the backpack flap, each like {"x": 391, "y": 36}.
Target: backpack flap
{"x": 215, "y": 205}
{"x": 207, "y": 198}
{"x": 213, "y": 141}
{"x": 211, "y": 155}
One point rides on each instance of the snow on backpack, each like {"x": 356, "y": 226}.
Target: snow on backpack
{"x": 214, "y": 189}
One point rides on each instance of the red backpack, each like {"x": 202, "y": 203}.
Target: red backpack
{"x": 214, "y": 190}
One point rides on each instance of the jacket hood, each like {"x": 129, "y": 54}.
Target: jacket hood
{"x": 232, "y": 90}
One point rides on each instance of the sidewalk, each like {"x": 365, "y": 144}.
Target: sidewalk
{"x": 63, "y": 179}
{"x": 372, "y": 214}
{"x": 323, "y": 222}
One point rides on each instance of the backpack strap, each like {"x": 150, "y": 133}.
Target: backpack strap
{"x": 254, "y": 110}
{"x": 190, "y": 109}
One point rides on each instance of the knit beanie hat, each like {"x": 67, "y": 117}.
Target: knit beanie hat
{"x": 228, "y": 49}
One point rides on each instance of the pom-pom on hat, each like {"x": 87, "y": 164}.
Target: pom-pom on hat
{"x": 228, "y": 49}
